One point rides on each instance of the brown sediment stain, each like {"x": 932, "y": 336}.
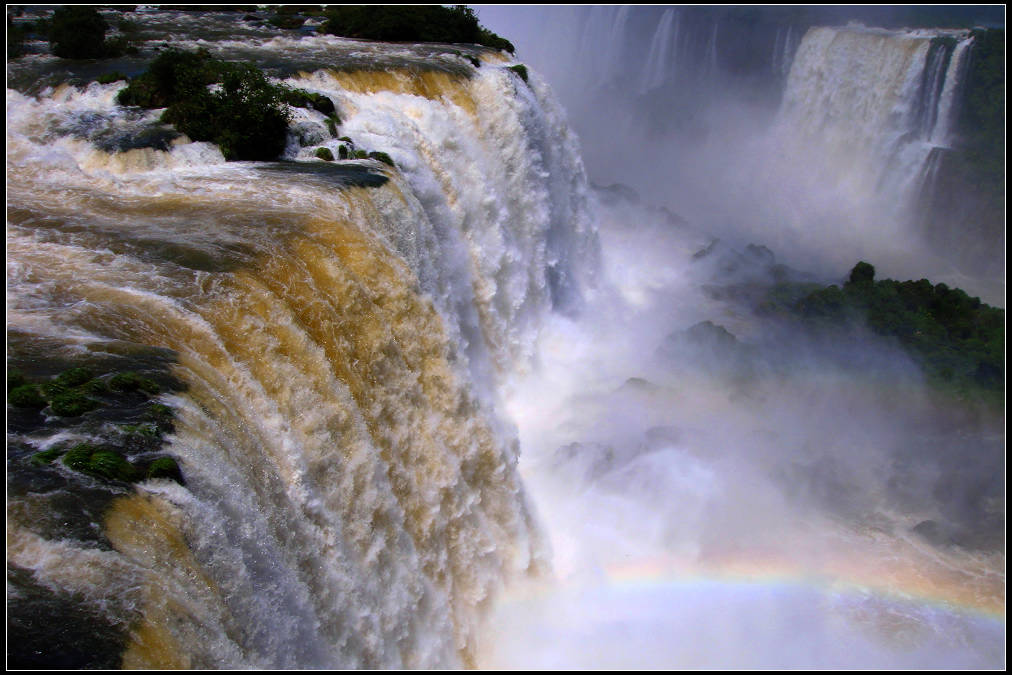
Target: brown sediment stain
{"x": 145, "y": 529}
{"x": 431, "y": 84}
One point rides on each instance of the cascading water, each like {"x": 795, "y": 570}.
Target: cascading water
{"x": 871, "y": 104}
{"x": 351, "y": 497}
{"x": 400, "y": 394}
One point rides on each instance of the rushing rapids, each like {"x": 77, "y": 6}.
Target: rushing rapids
{"x": 351, "y": 496}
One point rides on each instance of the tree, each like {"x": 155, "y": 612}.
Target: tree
{"x": 78, "y": 33}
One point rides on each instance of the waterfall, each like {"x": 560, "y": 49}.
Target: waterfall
{"x": 655, "y": 72}
{"x": 351, "y": 495}
{"x": 940, "y": 133}
{"x": 872, "y": 104}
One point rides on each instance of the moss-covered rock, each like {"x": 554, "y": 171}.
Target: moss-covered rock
{"x": 100, "y": 462}
{"x": 26, "y": 396}
{"x": 72, "y": 404}
{"x": 343, "y": 152}
{"x": 382, "y": 157}
{"x": 520, "y": 70}
{"x": 165, "y": 467}
{"x": 325, "y": 154}
{"x": 300, "y": 98}
{"x": 333, "y": 123}
{"x": 161, "y": 415}
{"x": 47, "y": 456}
{"x": 75, "y": 377}
{"x": 131, "y": 381}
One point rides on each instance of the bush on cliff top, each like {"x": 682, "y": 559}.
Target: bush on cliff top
{"x": 247, "y": 118}
{"x": 412, "y": 23}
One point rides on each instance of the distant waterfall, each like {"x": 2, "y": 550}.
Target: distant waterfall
{"x": 659, "y": 61}
{"x": 872, "y": 104}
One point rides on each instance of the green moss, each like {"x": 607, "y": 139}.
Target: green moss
{"x": 146, "y": 430}
{"x": 77, "y": 457}
{"x": 100, "y": 462}
{"x": 72, "y": 404}
{"x": 97, "y": 387}
{"x": 346, "y": 140}
{"x": 382, "y": 157}
{"x": 75, "y": 377}
{"x": 131, "y": 381}
{"x": 332, "y": 123}
{"x": 161, "y": 415}
{"x": 46, "y": 456}
{"x": 112, "y": 465}
{"x": 360, "y": 154}
{"x": 165, "y": 467}
{"x": 520, "y": 70}
{"x": 342, "y": 152}
{"x": 325, "y": 154}
{"x": 300, "y": 98}
{"x": 26, "y": 396}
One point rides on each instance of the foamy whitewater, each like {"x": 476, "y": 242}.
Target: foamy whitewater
{"x": 445, "y": 414}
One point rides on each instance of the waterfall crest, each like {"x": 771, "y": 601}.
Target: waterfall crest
{"x": 351, "y": 497}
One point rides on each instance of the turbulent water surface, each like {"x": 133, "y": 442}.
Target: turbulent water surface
{"x": 458, "y": 411}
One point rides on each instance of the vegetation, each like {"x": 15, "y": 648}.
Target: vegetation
{"x": 109, "y": 78}
{"x": 958, "y": 340}
{"x": 131, "y": 381}
{"x": 520, "y": 70}
{"x": 78, "y": 32}
{"x": 382, "y": 157}
{"x": 16, "y": 35}
{"x": 412, "y": 23}
{"x": 300, "y": 98}
{"x": 246, "y": 117}
{"x": 325, "y": 154}
{"x": 26, "y": 396}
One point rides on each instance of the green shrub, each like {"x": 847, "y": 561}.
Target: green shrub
{"x": 78, "y": 32}
{"x": 288, "y": 21}
{"x": 520, "y": 70}
{"x": 15, "y": 378}
{"x": 246, "y": 118}
{"x": 15, "y": 39}
{"x": 26, "y": 396}
{"x": 411, "y": 23}
{"x": 109, "y": 78}
{"x": 173, "y": 76}
{"x": 325, "y": 154}
{"x": 382, "y": 157}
